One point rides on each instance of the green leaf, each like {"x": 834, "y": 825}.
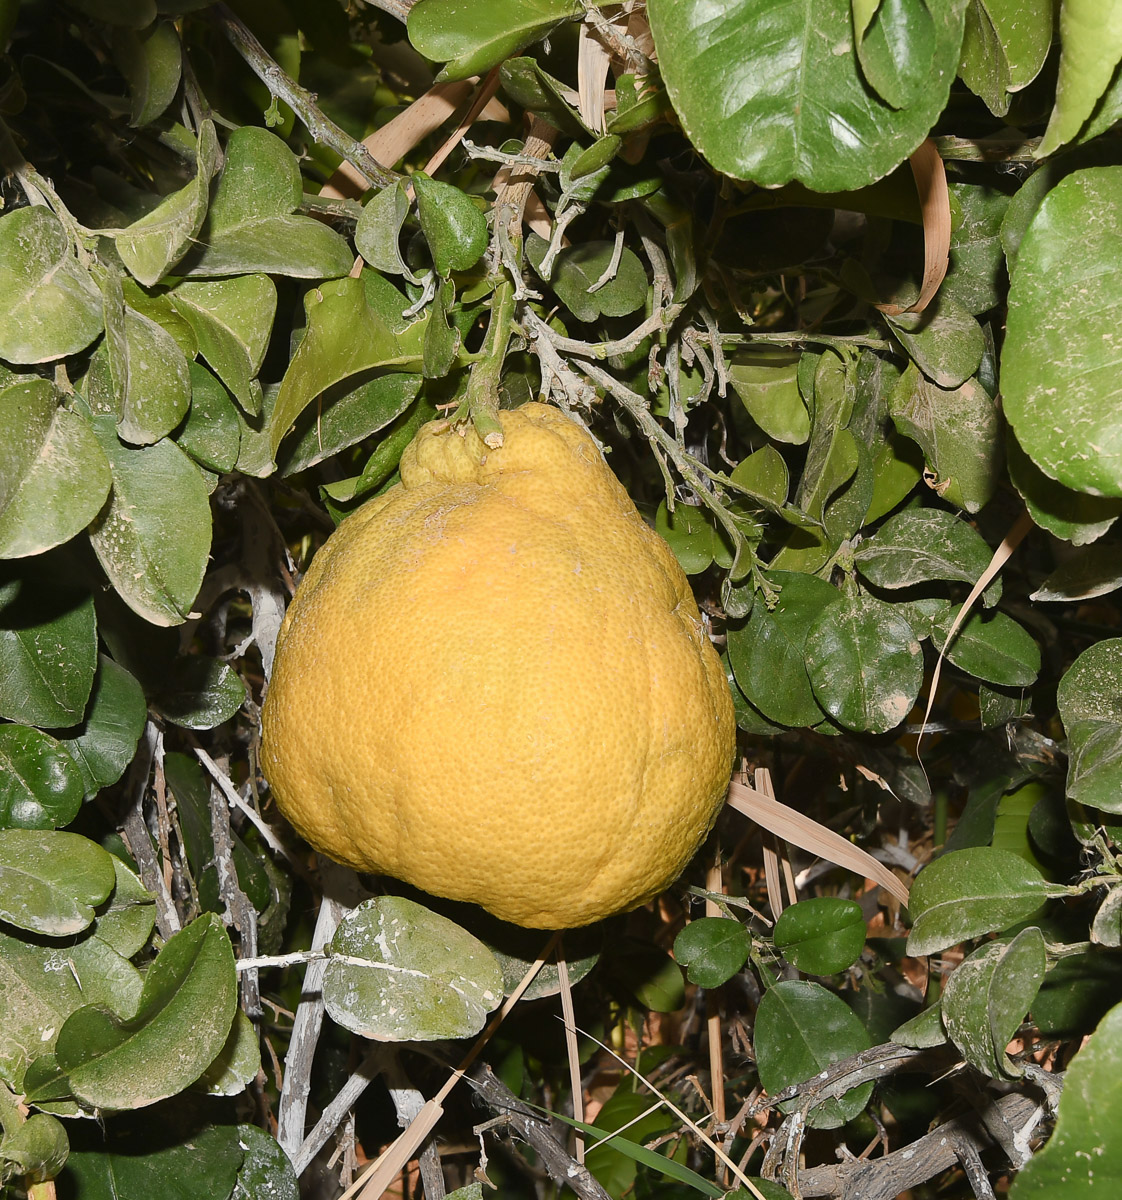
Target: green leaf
{"x": 1094, "y": 571}
{"x": 712, "y": 950}
{"x": 125, "y": 923}
{"x": 202, "y": 693}
{"x": 821, "y": 936}
{"x": 1083, "y": 1157}
{"x": 763, "y": 475}
{"x": 865, "y": 664}
{"x": 181, "y": 1024}
{"x": 768, "y": 652}
{"x": 773, "y": 92}
{"x": 959, "y": 432}
{"x": 1060, "y": 376}
{"x": 767, "y": 383}
{"x": 516, "y": 948}
{"x": 153, "y": 538}
{"x": 251, "y": 227}
{"x": 1074, "y": 516}
{"x": 990, "y": 646}
{"x": 968, "y": 893}
{"x": 378, "y": 230}
{"x": 648, "y": 973}
{"x": 801, "y": 1029}
{"x": 232, "y": 320}
{"x": 1090, "y": 50}
{"x": 151, "y": 63}
{"x": 689, "y": 532}
{"x": 454, "y": 226}
{"x": 400, "y": 972}
{"x": 49, "y": 305}
{"x": 897, "y": 468}
{"x": 130, "y": 14}
{"x": 40, "y": 787}
{"x": 211, "y": 434}
{"x": 944, "y": 341}
{"x": 37, "y": 1148}
{"x": 987, "y": 997}
{"x": 474, "y": 37}
{"x": 266, "y": 1172}
{"x": 1089, "y": 699}
{"x": 160, "y": 238}
{"x": 624, "y": 1114}
{"x": 923, "y": 1031}
{"x": 156, "y": 1156}
{"x": 48, "y": 649}
{"x": 977, "y": 262}
{"x": 540, "y": 93}
{"x": 1004, "y": 47}
{"x": 442, "y": 338}
{"x": 895, "y": 42}
{"x": 51, "y": 881}
{"x": 577, "y": 269}
{"x": 922, "y": 544}
{"x": 237, "y": 1063}
{"x": 53, "y": 475}
{"x": 344, "y": 336}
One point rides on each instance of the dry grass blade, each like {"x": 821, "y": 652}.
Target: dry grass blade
{"x": 572, "y": 1050}
{"x": 385, "y": 1169}
{"x": 809, "y": 835}
{"x": 482, "y": 98}
{"x": 593, "y": 61}
{"x": 935, "y": 206}
{"x": 715, "y": 883}
{"x": 1000, "y": 557}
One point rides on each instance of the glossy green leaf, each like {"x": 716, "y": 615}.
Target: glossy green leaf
{"x": 471, "y": 37}
{"x": 959, "y": 432}
{"x": 579, "y": 268}
{"x": 1060, "y": 365}
{"x": 160, "y": 238}
{"x": 822, "y": 935}
{"x": 801, "y": 1029}
{"x": 1094, "y": 571}
{"x": 712, "y": 950}
{"x": 865, "y": 664}
{"x": 232, "y": 320}
{"x": 157, "y": 1157}
{"x": 51, "y": 881}
{"x": 40, "y": 787}
{"x": 773, "y": 93}
{"x": 379, "y": 229}
{"x": 211, "y": 434}
{"x": 1083, "y": 1157}
{"x": 988, "y": 996}
{"x": 454, "y": 226}
{"x": 48, "y": 649}
{"x": 1090, "y": 50}
{"x": 181, "y": 1024}
{"x": 768, "y": 652}
{"x": 944, "y": 341}
{"x": 1074, "y": 516}
{"x": 344, "y": 337}
{"x": 1090, "y": 702}
{"x": 125, "y": 922}
{"x": 767, "y": 383}
{"x": 54, "y": 476}
{"x": 251, "y": 226}
{"x": 968, "y": 893}
{"x": 153, "y": 538}
{"x": 990, "y": 646}
{"x": 202, "y": 693}
{"x": 1004, "y": 47}
{"x": 400, "y": 972}
{"x": 895, "y": 42}
{"x": 921, "y": 544}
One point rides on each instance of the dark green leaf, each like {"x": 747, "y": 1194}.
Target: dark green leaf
{"x": 1090, "y": 702}
{"x": 266, "y": 1172}
{"x": 971, "y": 892}
{"x": 990, "y": 646}
{"x": 40, "y": 787}
{"x": 379, "y": 228}
{"x": 773, "y": 93}
{"x": 1094, "y": 571}
{"x": 1004, "y": 48}
{"x": 203, "y": 693}
{"x": 712, "y": 950}
{"x": 180, "y": 1026}
{"x": 211, "y": 434}
{"x": 53, "y": 474}
{"x": 37, "y": 1148}
{"x": 151, "y": 63}
{"x": 977, "y": 261}
{"x": 48, "y": 650}
{"x": 454, "y": 226}
{"x": 801, "y": 1029}
{"x": 578, "y": 269}
{"x": 821, "y": 936}
{"x": 766, "y": 382}
{"x": 944, "y": 341}
{"x": 865, "y": 664}
{"x": 895, "y": 42}
{"x": 50, "y": 881}
{"x": 1060, "y": 367}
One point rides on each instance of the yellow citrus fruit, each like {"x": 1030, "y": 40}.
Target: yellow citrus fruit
{"x": 494, "y": 683}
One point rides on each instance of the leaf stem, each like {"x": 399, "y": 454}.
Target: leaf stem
{"x": 482, "y": 400}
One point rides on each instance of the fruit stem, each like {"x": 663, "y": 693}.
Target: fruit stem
{"x": 481, "y": 403}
